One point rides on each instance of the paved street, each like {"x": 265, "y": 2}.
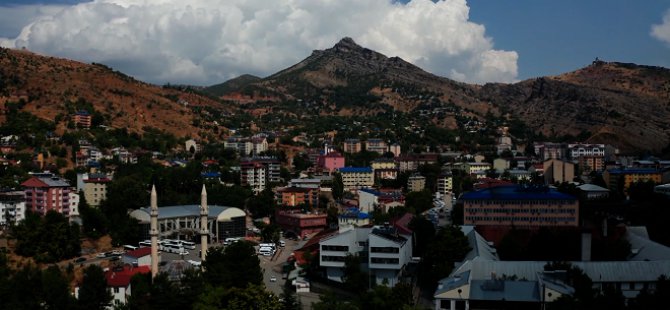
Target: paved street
{"x": 272, "y": 266}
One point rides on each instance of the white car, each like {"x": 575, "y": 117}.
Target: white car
{"x": 273, "y": 279}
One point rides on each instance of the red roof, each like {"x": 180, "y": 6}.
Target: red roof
{"x": 34, "y": 182}
{"x": 402, "y": 223}
{"x": 121, "y": 277}
{"x": 141, "y": 252}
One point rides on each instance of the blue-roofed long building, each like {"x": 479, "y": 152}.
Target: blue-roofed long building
{"x": 520, "y": 206}
{"x": 357, "y": 177}
{"x": 183, "y": 222}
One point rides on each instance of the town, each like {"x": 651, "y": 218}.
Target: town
{"x": 342, "y": 213}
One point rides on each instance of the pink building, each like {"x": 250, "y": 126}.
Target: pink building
{"x": 45, "y": 192}
{"x": 331, "y": 161}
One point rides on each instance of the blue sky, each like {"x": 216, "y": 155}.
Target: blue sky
{"x": 553, "y": 37}
{"x": 206, "y": 41}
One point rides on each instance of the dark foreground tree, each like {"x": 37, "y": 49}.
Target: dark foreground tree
{"x": 93, "y": 293}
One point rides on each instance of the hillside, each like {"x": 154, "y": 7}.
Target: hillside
{"x": 231, "y": 85}
{"x": 622, "y": 104}
{"x": 626, "y": 105}
{"x": 51, "y": 88}
{"x": 350, "y": 79}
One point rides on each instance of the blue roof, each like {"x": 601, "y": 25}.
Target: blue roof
{"x": 516, "y": 192}
{"x": 354, "y": 213}
{"x": 356, "y": 169}
{"x": 634, "y": 171}
{"x": 211, "y": 174}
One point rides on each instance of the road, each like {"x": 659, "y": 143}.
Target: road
{"x": 272, "y": 266}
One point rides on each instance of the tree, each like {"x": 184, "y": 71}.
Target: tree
{"x": 338, "y": 186}
{"x": 56, "y": 290}
{"x": 450, "y": 246}
{"x": 237, "y": 298}
{"x": 424, "y": 233}
{"x": 419, "y": 201}
{"x": 355, "y": 279}
{"x": 262, "y": 204}
{"x": 237, "y": 265}
{"x": 329, "y": 301}
{"x": 288, "y": 299}
{"x": 50, "y": 238}
{"x": 93, "y": 293}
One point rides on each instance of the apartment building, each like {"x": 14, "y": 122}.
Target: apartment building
{"x": 385, "y": 251}
{"x": 45, "y": 192}
{"x": 12, "y": 207}
{"x": 352, "y": 146}
{"x": 357, "y": 177}
{"x": 520, "y": 206}
{"x": 376, "y": 145}
{"x": 258, "y": 172}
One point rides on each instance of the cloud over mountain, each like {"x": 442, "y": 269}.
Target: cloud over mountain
{"x": 207, "y": 41}
{"x": 662, "y": 31}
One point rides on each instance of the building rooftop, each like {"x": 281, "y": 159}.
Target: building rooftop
{"x": 120, "y": 277}
{"x": 355, "y": 170}
{"x": 141, "y": 252}
{"x": 516, "y": 192}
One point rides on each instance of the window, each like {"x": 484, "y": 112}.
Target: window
{"x": 326, "y": 258}
{"x": 380, "y": 260}
{"x": 335, "y": 248}
{"x": 384, "y": 250}
{"x": 116, "y": 290}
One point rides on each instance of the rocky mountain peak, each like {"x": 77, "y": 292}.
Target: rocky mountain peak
{"x": 347, "y": 44}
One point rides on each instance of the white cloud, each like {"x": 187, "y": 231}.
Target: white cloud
{"x": 662, "y": 31}
{"x": 209, "y": 41}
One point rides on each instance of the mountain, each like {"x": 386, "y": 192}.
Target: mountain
{"x": 626, "y": 105}
{"x": 231, "y": 85}
{"x": 52, "y": 88}
{"x": 348, "y": 78}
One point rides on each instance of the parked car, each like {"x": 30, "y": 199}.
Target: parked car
{"x": 273, "y": 279}
{"x": 80, "y": 260}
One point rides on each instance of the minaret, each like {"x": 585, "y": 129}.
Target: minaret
{"x": 204, "y": 211}
{"x": 154, "y": 232}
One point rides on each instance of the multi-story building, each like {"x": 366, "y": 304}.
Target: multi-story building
{"x": 258, "y": 172}
{"x": 482, "y": 278}
{"x": 82, "y": 119}
{"x": 301, "y": 224}
{"x": 520, "y": 206}
{"x": 45, "y": 192}
{"x": 295, "y": 196}
{"x": 376, "y": 145}
{"x": 95, "y": 188}
{"x": 476, "y": 168}
{"x": 621, "y": 179}
{"x": 384, "y": 169}
{"x": 411, "y": 162}
{"x": 557, "y": 170}
{"x": 445, "y": 183}
{"x": 590, "y": 157}
{"x": 416, "y": 183}
{"x": 370, "y": 199}
{"x": 352, "y": 146}
{"x": 246, "y": 146}
{"x": 395, "y": 149}
{"x": 504, "y": 144}
{"x": 12, "y": 207}
{"x": 549, "y": 150}
{"x": 357, "y": 177}
{"x": 385, "y": 251}
{"x": 330, "y": 162}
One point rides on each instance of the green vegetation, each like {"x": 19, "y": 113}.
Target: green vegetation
{"x": 48, "y": 239}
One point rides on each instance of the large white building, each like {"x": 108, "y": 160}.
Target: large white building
{"x": 483, "y": 281}
{"x": 12, "y": 208}
{"x": 183, "y": 222}
{"x": 384, "y": 250}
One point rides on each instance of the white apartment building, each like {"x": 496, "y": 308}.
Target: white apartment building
{"x": 383, "y": 249}
{"x": 12, "y": 208}
{"x": 357, "y": 177}
{"x": 445, "y": 183}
